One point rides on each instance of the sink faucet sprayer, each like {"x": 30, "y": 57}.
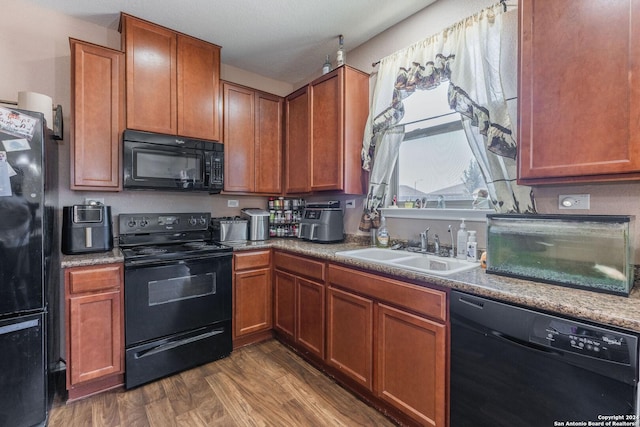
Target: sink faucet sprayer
{"x": 453, "y": 246}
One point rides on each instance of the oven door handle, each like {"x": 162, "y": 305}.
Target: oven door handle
{"x": 173, "y": 344}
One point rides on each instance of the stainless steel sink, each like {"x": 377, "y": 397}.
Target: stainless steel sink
{"x": 422, "y": 263}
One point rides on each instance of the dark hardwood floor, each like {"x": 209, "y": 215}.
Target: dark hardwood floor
{"x": 264, "y": 384}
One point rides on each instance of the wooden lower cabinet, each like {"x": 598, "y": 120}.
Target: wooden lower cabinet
{"x": 299, "y": 294}
{"x": 284, "y": 306}
{"x": 310, "y": 316}
{"x": 390, "y": 337}
{"x": 252, "y": 297}
{"x": 94, "y": 329}
{"x": 350, "y": 335}
{"x": 411, "y": 364}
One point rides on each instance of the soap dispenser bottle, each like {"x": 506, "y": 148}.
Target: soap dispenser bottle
{"x": 383, "y": 234}
{"x": 472, "y": 247}
{"x": 462, "y": 241}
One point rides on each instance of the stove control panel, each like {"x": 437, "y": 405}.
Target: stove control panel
{"x": 161, "y": 222}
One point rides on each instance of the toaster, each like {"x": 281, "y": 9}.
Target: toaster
{"x": 86, "y": 229}
{"x": 228, "y": 229}
{"x": 322, "y": 223}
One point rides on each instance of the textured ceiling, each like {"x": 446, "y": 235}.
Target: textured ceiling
{"x": 286, "y": 40}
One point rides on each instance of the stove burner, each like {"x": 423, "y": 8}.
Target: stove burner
{"x": 195, "y": 244}
{"x": 150, "y": 250}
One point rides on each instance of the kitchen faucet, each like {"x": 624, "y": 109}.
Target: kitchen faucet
{"x": 436, "y": 245}
{"x": 424, "y": 240}
{"x": 452, "y": 253}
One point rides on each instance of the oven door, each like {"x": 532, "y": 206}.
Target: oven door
{"x": 176, "y": 296}
{"x": 167, "y": 167}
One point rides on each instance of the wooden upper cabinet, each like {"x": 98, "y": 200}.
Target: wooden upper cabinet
{"x": 327, "y": 152}
{"x": 579, "y": 91}
{"x": 253, "y": 140}
{"x": 198, "y": 88}
{"x": 297, "y": 143}
{"x": 172, "y": 81}
{"x": 268, "y": 143}
{"x": 97, "y": 105}
{"x": 239, "y": 138}
{"x": 151, "y": 59}
{"x": 339, "y": 109}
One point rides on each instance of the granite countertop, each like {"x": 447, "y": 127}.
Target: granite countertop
{"x": 84, "y": 260}
{"x": 613, "y": 310}
{"x": 620, "y": 311}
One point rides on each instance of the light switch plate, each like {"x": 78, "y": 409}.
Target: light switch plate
{"x": 232, "y": 203}
{"x": 574, "y": 201}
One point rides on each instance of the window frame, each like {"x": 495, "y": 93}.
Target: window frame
{"x": 471, "y": 215}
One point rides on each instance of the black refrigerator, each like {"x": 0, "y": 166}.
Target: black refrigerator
{"x": 29, "y": 268}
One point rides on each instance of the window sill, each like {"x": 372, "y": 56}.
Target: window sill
{"x": 469, "y": 215}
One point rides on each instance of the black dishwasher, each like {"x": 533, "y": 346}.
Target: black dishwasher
{"x": 512, "y": 366}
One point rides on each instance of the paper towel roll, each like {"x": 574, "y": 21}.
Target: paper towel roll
{"x": 33, "y": 101}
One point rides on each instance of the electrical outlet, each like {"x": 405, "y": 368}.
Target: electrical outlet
{"x": 350, "y": 204}
{"x": 94, "y": 200}
{"x": 232, "y": 203}
{"x": 574, "y": 201}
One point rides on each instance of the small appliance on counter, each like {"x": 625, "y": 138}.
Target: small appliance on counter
{"x": 258, "y": 223}
{"x": 322, "y": 222}
{"x": 86, "y": 229}
{"x": 228, "y": 229}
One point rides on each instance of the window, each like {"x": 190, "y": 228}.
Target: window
{"x": 436, "y": 168}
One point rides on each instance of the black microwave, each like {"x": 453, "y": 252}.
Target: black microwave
{"x": 153, "y": 161}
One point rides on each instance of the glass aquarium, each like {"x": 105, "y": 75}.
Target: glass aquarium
{"x": 592, "y": 252}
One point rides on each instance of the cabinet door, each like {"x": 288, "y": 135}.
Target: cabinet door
{"x": 411, "y": 365}
{"x": 284, "y": 294}
{"x": 268, "y": 143}
{"x": 151, "y": 76}
{"x": 97, "y": 81}
{"x": 350, "y": 335}
{"x": 327, "y": 157}
{"x": 298, "y": 143}
{"x": 252, "y": 300}
{"x": 95, "y": 336}
{"x": 239, "y": 137}
{"x": 310, "y": 316}
{"x": 579, "y": 121}
{"x": 198, "y": 88}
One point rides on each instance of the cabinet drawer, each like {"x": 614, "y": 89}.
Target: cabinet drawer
{"x": 250, "y": 260}
{"x": 300, "y": 266}
{"x": 94, "y": 278}
{"x": 425, "y": 301}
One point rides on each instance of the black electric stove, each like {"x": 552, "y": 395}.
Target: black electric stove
{"x": 178, "y": 296}
{"x": 155, "y": 237}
